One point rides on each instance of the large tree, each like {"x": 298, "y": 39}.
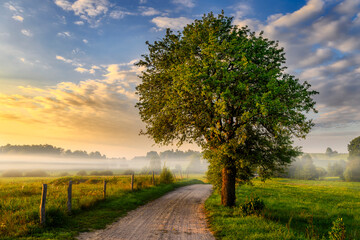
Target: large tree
{"x": 225, "y": 89}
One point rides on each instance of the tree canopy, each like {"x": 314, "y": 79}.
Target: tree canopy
{"x": 225, "y": 89}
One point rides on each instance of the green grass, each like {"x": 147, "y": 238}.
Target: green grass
{"x": 295, "y": 209}
{"x": 20, "y": 200}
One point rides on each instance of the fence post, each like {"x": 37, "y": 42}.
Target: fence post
{"x": 104, "y": 189}
{"x": 132, "y": 182}
{"x": 42, "y": 204}
{"x": 153, "y": 178}
{"x": 69, "y": 197}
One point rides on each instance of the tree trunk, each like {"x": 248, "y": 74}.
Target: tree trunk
{"x": 228, "y": 186}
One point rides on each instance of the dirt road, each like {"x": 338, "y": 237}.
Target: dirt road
{"x": 177, "y": 215}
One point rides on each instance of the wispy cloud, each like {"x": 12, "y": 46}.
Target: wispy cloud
{"x": 18, "y": 18}
{"x": 79, "y": 23}
{"x": 88, "y": 10}
{"x": 64, "y": 34}
{"x": 185, "y": 3}
{"x": 173, "y": 23}
{"x": 99, "y": 107}
{"x": 148, "y": 11}
{"x": 27, "y": 32}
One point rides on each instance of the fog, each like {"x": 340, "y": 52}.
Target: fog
{"x": 51, "y": 163}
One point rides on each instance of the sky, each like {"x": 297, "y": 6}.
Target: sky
{"x": 67, "y": 74}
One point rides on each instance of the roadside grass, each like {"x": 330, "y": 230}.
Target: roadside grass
{"x": 20, "y": 200}
{"x": 294, "y": 209}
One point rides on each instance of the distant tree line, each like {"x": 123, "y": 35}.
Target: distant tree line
{"x": 47, "y": 149}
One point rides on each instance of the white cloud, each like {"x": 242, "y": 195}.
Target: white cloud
{"x": 142, "y": 1}
{"x": 79, "y": 23}
{"x": 26, "y": 32}
{"x": 185, "y": 3}
{"x": 119, "y": 14}
{"x": 87, "y": 10}
{"x": 85, "y": 41}
{"x": 11, "y": 7}
{"x": 64, "y": 34}
{"x": 173, "y": 23}
{"x": 148, "y": 11}
{"x": 22, "y": 59}
{"x": 18, "y": 18}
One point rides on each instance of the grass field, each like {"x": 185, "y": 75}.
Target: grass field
{"x": 294, "y": 209}
{"x": 20, "y": 200}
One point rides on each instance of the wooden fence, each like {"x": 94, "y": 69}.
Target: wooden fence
{"x": 69, "y": 196}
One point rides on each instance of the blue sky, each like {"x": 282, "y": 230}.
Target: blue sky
{"x": 67, "y": 76}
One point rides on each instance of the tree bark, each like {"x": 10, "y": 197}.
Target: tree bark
{"x": 228, "y": 186}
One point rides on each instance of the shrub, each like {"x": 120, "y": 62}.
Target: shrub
{"x": 128, "y": 172}
{"x": 63, "y": 174}
{"x": 12, "y": 173}
{"x": 254, "y": 205}
{"x": 337, "y": 231}
{"x": 81, "y": 173}
{"x": 36, "y": 173}
{"x": 166, "y": 176}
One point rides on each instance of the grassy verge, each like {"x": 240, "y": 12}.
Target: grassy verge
{"x": 94, "y": 215}
{"x": 294, "y": 210}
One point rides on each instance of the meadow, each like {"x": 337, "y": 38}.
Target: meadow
{"x": 294, "y": 209}
{"x": 20, "y": 200}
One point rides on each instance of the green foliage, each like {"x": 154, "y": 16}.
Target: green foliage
{"x": 337, "y": 230}
{"x": 224, "y": 88}
{"x": 254, "y": 205}
{"x": 292, "y": 207}
{"x": 101, "y": 173}
{"x": 352, "y": 172}
{"x": 166, "y": 176}
{"x": 354, "y": 148}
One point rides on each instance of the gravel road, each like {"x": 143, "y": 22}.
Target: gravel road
{"x": 176, "y": 215}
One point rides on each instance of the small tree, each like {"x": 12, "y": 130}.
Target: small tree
{"x": 225, "y": 89}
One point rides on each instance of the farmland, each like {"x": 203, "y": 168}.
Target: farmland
{"x": 20, "y": 199}
{"x": 294, "y": 209}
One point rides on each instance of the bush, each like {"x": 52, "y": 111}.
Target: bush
{"x": 36, "y": 173}
{"x": 254, "y": 205}
{"x": 12, "y": 173}
{"x": 63, "y": 174}
{"x": 101, "y": 173}
{"x": 81, "y": 173}
{"x": 337, "y": 231}
{"x": 166, "y": 176}
{"x": 128, "y": 172}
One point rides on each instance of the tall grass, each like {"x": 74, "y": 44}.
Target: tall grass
{"x": 294, "y": 209}
{"x": 20, "y": 199}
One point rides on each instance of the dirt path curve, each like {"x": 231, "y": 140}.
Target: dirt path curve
{"x": 176, "y": 215}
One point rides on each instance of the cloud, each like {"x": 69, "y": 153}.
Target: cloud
{"x": 63, "y": 59}
{"x": 92, "y": 110}
{"x": 119, "y": 14}
{"x": 26, "y": 32}
{"x": 64, "y": 34}
{"x": 173, "y": 23}
{"x": 148, "y": 11}
{"x": 88, "y": 10}
{"x": 185, "y": 3}
{"x": 12, "y": 7}
{"x": 18, "y": 18}
{"x": 85, "y": 41}
{"x": 79, "y": 23}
